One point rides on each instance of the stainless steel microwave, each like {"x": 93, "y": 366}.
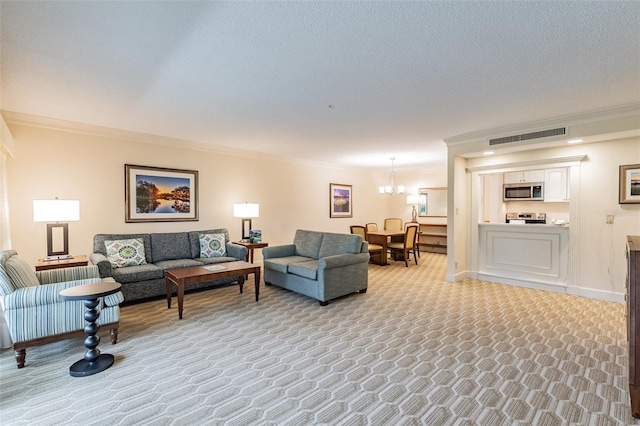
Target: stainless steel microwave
{"x": 523, "y": 191}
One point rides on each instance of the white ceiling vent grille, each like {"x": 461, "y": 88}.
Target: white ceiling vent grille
{"x": 560, "y": 131}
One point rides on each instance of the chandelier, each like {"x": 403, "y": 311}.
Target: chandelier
{"x": 392, "y": 188}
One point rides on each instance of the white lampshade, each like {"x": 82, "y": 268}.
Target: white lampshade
{"x": 413, "y": 199}
{"x": 246, "y": 210}
{"x": 56, "y": 210}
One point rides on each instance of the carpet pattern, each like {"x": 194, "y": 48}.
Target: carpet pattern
{"x": 413, "y": 350}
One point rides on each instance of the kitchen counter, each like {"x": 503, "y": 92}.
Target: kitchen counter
{"x": 526, "y": 225}
{"x": 524, "y": 253}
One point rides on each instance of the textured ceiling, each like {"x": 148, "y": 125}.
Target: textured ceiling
{"x": 350, "y": 83}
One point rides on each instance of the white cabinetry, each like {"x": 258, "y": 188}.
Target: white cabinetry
{"x": 556, "y": 188}
{"x": 526, "y": 176}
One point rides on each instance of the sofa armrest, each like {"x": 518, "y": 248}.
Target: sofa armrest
{"x": 279, "y": 251}
{"x": 236, "y": 250}
{"x": 41, "y": 295}
{"x": 340, "y": 260}
{"x": 51, "y": 276}
{"x": 104, "y": 266}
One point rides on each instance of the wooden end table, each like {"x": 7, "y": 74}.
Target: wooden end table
{"x": 43, "y": 265}
{"x": 196, "y": 274}
{"x": 251, "y": 247}
{"x": 93, "y": 361}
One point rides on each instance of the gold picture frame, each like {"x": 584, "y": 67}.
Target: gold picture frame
{"x": 340, "y": 200}
{"x": 629, "y": 184}
{"x": 158, "y": 194}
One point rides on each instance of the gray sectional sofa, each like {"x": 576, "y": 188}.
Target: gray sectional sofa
{"x": 162, "y": 251}
{"x": 321, "y": 265}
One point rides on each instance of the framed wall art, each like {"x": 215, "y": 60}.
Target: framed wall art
{"x": 629, "y": 184}
{"x": 156, "y": 194}
{"x": 340, "y": 200}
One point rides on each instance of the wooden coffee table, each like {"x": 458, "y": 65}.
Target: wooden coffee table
{"x": 197, "y": 274}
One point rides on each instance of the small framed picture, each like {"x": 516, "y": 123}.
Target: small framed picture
{"x": 629, "y": 185}
{"x": 340, "y": 200}
{"x": 157, "y": 194}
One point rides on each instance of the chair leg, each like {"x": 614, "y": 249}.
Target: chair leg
{"x": 406, "y": 255}
{"x": 114, "y": 335}
{"x": 20, "y": 354}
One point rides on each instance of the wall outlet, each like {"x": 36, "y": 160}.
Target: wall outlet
{"x": 609, "y": 219}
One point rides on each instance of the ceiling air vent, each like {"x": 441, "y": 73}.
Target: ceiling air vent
{"x": 560, "y": 131}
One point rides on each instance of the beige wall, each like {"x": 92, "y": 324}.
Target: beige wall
{"x": 53, "y": 163}
{"x": 601, "y": 262}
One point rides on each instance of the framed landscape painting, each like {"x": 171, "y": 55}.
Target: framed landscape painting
{"x": 340, "y": 200}
{"x": 629, "y": 185}
{"x": 156, "y": 194}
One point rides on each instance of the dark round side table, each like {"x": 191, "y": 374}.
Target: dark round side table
{"x": 93, "y": 362}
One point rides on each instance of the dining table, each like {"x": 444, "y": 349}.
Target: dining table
{"x": 382, "y": 238}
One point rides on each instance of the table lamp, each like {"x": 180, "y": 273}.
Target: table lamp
{"x": 246, "y": 211}
{"x": 413, "y": 200}
{"x": 57, "y": 213}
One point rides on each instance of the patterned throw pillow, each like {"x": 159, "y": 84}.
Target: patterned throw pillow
{"x": 123, "y": 253}
{"x": 212, "y": 245}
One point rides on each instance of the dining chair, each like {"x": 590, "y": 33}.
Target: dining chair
{"x": 393, "y": 224}
{"x": 375, "y": 250}
{"x": 372, "y": 226}
{"x": 407, "y": 246}
{"x": 417, "y": 247}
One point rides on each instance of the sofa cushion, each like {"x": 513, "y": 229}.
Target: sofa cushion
{"x": 123, "y": 253}
{"x": 170, "y": 246}
{"x": 333, "y": 244}
{"x": 194, "y": 239}
{"x": 212, "y": 245}
{"x": 281, "y": 264}
{"x": 132, "y": 274}
{"x": 20, "y": 273}
{"x": 177, "y": 263}
{"x": 308, "y": 269}
{"x": 308, "y": 243}
{"x": 212, "y": 260}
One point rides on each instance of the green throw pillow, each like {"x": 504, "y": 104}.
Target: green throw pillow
{"x": 123, "y": 253}
{"x": 212, "y": 245}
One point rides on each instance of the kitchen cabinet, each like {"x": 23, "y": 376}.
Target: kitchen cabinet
{"x": 556, "y": 188}
{"x": 525, "y": 176}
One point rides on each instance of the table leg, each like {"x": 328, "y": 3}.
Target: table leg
{"x": 180, "y": 292}
{"x": 256, "y": 277}
{"x": 93, "y": 361}
{"x": 168, "y": 286}
{"x": 241, "y": 282}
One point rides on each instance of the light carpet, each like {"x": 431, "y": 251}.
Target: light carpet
{"x": 413, "y": 350}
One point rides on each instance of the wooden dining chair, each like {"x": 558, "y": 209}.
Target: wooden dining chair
{"x": 375, "y": 250}
{"x": 371, "y": 226}
{"x": 417, "y": 247}
{"x": 393, "y": 224}
{"x": 407, "y": 246}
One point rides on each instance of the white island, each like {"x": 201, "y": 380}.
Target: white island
{"x": 529, "y": 255}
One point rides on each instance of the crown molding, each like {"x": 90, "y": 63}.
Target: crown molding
{"x": 18, "y": 118}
